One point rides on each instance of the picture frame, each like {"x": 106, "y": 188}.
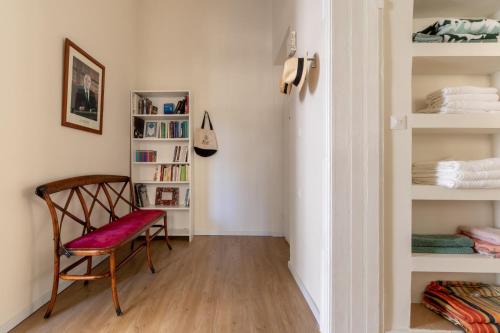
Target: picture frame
{"x": 151, "y": 129}
{"x": 167, "y": 196}
{"x": 83, "y": 90}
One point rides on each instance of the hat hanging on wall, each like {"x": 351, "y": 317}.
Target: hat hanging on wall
{"x": 294, "y": 73}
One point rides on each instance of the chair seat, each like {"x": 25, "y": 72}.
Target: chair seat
{"x": 115, "y": 233}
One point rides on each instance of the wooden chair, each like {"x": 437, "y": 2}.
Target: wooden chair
{"x": 97, "y": 241}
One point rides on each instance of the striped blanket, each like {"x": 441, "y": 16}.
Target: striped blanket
{"x": 473, "y": 306}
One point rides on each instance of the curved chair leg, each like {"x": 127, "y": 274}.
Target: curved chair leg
{"x": 148, "y": 251}
{"x": 114, "y": 292}
{"x": 89, "y": 269}
{"x": 166, "y": 232}
{"x": 55, "y": 286}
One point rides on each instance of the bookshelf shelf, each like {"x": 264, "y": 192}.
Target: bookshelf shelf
{"x": 178, "y": 183}
{"x": 161, "y": 163}
{"x": 158, "y": 139}
{"x": 166, "y": 208}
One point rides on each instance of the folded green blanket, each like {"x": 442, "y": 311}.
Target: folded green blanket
{"x": 441, "y": 241}
{"x": 442, "y": 250}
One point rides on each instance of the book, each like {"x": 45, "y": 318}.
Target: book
{"x": 167, "y": 196}
{"x": 143, "y": 194}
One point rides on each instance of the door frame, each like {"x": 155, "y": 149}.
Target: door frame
{"x": 352, "y": 264}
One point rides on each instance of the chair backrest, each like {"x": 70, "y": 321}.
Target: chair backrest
{"x": 78, "y": 186}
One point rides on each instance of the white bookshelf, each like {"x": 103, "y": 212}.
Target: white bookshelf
{"x": 180, "y": 218}
{"x": 412, "y": 71}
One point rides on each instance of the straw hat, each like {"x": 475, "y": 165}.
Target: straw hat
{"x": 294, "y": 73}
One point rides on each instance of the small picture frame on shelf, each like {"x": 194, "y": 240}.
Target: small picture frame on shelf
{"x": 151, "y": 129}
{"x": 167, "y": 196}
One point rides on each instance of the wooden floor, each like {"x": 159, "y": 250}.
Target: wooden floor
{"x": 214, "y": 284}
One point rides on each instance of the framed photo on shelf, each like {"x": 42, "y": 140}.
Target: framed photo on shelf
{"x": 83, "y": 90}
{"x": 151, "y": 129}
{"x": 167, "y": 196}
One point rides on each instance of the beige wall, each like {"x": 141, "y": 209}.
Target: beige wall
{"x": 304, "y": 118}
{"x": 221, "y": 50}
{"x": 35, "y": 148}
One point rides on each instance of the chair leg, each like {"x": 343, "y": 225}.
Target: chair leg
{"x": 89, "y": 269}
{"x": 55, "y": 286}
{"x": 166, "y": 232}
{"x": 114, "y": 292}
{"x": 148, "y": 251}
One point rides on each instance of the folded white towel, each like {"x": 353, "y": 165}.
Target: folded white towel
{"x": 468, "y": 175}
{"x": 449, "y": 183}
{"x": 474, "y": 165}
{"x": 475, "y": 105}
{"x": 444, "y": 100}
{"x": 449, "y": 110}
{"x": 462, "y": 90}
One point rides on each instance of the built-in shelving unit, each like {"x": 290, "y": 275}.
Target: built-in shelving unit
{"x": 180, "y": 217}
{"x": 413, "y": 71}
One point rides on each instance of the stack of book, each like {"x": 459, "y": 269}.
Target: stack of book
{"x": 181, "y": 154}
{"x": 145, "y": 106}
{"x": 145, "y": 155}
{"x": 172, "y": 173}
{"x": 141, "y": 195}
{"x": 182, "y": 106}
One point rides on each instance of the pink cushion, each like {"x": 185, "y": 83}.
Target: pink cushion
{"x": 112, "y": 234}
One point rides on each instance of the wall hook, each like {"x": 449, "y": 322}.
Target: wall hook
{"x": 312, "y": 60}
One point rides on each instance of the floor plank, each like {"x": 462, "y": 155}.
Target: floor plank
{"x": 214, "y": 284}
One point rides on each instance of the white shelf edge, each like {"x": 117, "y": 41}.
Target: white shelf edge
{"x": 454, "y": 263}
{"x": 456, "y": 49}
{"x": 428, "y": 192}
{"x": 161, "y": 182}
{"x": 180, "y": 208}
{"x": 157, "y": 139}
{"x": 161, "y": 163}
{"x": 474, "y": 123}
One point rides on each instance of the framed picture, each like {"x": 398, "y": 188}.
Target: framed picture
{"x": 83, "y": 90}
{"x": 167, "y": 196}
{"x": 151, "y": 129}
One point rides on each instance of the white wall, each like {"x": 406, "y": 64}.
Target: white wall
{"x": 35, "y": 148}
{"x": 221, "y": 51}
{"x": 304, "y": 122}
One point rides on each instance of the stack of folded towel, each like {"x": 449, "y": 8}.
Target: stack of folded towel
{"x": 458, "y": 174}
{"x": 486, "y": 240}
{"x": 473, "y": 306}
{"x": 452, "y": 30}
{"x": 452, "y": 244}
{"x": 463, "y": 99}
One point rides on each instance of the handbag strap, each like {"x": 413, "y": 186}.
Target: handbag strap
{"x": 206, "y": 115}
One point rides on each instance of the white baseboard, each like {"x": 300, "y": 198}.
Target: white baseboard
{"x": 307, "y": 296}
{"x": 41, "y": 301}
{"x": 199, "y": 232}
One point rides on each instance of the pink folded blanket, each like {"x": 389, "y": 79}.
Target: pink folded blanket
{"x": 486, "y": 234}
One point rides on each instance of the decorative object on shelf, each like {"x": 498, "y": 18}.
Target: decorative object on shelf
{"x": 452, "y": 30}
{"x": 83, "y": 90}
{"x": 205, "y": 140}
{"x": 168, "y": 108}
{"x": 151, "y": 129}
{"x": 167, "y": 196}
{"x": 141, "y": 195}
{"x": 187, "y": 198}
{"x": 473, "y": 306}
{"x": 138, "y": 128}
